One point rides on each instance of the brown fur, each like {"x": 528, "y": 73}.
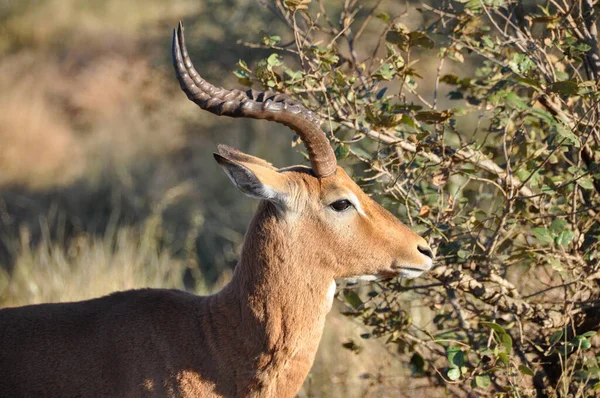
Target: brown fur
{"x": 255, "y": 338}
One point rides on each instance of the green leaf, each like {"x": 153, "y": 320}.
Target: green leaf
{"x": 525, "y": 370}
{"x": 530, "y": 82}
{"x": 453, "y": 374}
{"x": 565, "y": 238}
{"x": 451, "y": 79}
{"x": 407, "y": 120}
{"x": 352, "y": 298}
{"x": 487, "y": 40}
{"x": 381, "y": 93}
{"x": 456, "y": 357}
{"x": 543, "y": 236}
{"x": 585, "y": 344}
{"x": 483, "y": 381}
{"x": 581, "y": 342}
{"x": 507, "y": 342}
{"x": 433, "y": 116}
{"x": 293, "y": 75}
{"x": 243, "y": 77}
{"x": 568, "y": 134}
{"x": 556, "y": 264}
{"x": 495, "y": 327}
{"x": 420, "y": 39}
{"x": 520, "y": 63}
{"x": 558, "y": 225}
{"x": 268, "y": 39}
{"x": 582, "y": 47}
{"x": 385, "y": 72}
{"x": 463, "y": 253}
{"x": 586, "y": 182}
{"x": 515, "y": 101}
{"x": 384, "y": 16}
{"x": 594, "y": 372}
{"x": 341, "y": 152}
{"x": 398, "y": 38}
{"x": 556, "y": 336}
{"x": 273, "y": 60}
{"x": 503, "y": 357}
{"x": 567, "y": 87}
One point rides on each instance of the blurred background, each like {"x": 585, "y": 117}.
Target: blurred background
{"x": 107, "y": 180}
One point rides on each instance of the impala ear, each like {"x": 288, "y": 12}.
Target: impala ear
{"x": 239, "y": 156}
{"x": 255, "y": 180}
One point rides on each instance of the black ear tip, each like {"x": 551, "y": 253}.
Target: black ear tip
{"x": 219, "y": 158}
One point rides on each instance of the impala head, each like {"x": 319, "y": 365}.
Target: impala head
{"x": 349, "y": 232}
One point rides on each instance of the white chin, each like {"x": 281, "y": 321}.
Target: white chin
{"x": 365, "y": 278}
{"x": 409, "y": 273}
{"x": 368, "y": 278}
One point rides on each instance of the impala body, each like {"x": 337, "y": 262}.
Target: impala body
{"x": 258, "y": 336}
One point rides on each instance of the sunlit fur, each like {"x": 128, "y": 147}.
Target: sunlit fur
{"x": 255, "y": 338}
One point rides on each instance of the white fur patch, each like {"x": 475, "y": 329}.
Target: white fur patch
{"x": 410, "y": 273}
{"x": 354, "y": 200}
{"x": 330, "y": 295}
{"x": 368, "y": 278}
{"x": 355, "y": 279}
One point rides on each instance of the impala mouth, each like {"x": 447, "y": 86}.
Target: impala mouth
{"x": 408, "y": 271}
{"x": 394, "y": 271}
{"x": 353, "y": 280}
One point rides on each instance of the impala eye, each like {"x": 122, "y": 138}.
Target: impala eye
{"x": 340, "y": 205}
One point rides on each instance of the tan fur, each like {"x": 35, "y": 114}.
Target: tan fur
{"x": 255, "y": 338}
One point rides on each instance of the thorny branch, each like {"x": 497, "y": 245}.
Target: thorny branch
{"x": 509, "y": 207}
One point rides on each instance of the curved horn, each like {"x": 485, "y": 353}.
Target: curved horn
{"x": 253, "y": 104}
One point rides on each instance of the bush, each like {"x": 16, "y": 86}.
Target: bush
{"x": 476, "y": 122}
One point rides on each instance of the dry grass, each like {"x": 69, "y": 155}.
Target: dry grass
{"x": 89, "y": 267}
{"x": 87, "y": 109}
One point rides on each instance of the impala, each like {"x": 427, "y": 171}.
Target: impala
{"x": 258, "y": 336}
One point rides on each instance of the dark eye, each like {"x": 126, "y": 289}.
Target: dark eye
{"x": 340, "y": 205}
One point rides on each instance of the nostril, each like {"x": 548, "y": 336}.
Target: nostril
{"x": 425, "y": 251}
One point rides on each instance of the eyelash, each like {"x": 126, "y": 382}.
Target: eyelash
{"x": 341, "y": 205}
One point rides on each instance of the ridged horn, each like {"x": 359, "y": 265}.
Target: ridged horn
{"x": 268, "y": 105}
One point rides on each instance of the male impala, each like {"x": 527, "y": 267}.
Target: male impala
{"x": 258, "y": 336}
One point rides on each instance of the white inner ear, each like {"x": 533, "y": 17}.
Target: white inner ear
{"x": 252, "y": 187}
{"x": 266, "y": 192}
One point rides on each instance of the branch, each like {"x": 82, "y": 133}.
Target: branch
{"x": 591, "y": 37}
{"x": 456, "y": 279}
{"x": 466, "y": 154}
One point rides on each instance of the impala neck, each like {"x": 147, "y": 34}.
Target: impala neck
{"x": 285, "y": 293}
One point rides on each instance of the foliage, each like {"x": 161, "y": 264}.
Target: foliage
{"x": 478, "y": 125}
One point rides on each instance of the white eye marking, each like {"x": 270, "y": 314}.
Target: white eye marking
{"x": 352, "y": 198}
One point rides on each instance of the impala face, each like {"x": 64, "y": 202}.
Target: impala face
{"x": 333, "y": 218}
{"x": 337, "y": 225}
{"x": 369, "y": 239}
